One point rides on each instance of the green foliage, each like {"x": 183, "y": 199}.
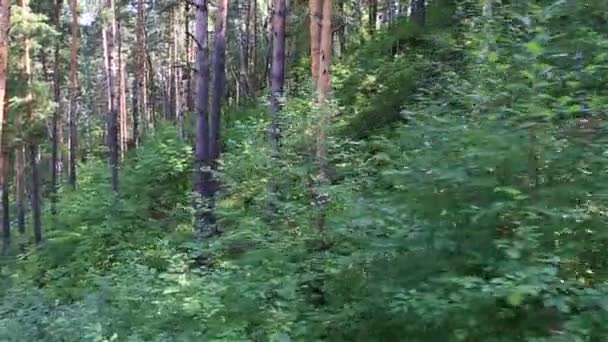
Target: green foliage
{"x": 480, "y": 218}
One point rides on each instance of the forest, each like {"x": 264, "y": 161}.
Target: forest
{"x": 303, "y": 170}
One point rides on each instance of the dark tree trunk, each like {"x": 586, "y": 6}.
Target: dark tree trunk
{"x": 135, "y": 109}
{"x": 219, "y": 78}
{"x": 5, "y": 10}
{"x": 32, "y": 146}
{"x": 55, "y": 157}
{"x": 142, "y": 68}
{"x": 35, "y": 193}
{"x": 75, "y": 91}
{"x": 113, "y": 114}
{"x": 243, "y": 79}
{"x": 278, "y": 70}
{"x": 188, "y": 69}
{"x": 202, "y": 174}
{"x": 20, "y": 184}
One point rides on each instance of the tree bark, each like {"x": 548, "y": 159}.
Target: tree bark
{"x": 20, "y": 171}
{"x": 74, "y": 91}
{"x": 57, "y": 136}
{"x": 202, "y": 174}
{"x": 219, "y": 77}
{"x": 278, "y": 70}
{"x": 323, "y": 91}
{"x": 142, "y": 86}
{"x": 243, "y": 81}
{"x": 277, "y": 82}
{"x": 315, "y": 37}
{"x": 254, "y": 50}
{"x": 177, "y": 78}
{"x": 32, "y": 144}
{"x": 113, "y": 102}
{"x": 20, "y": 183}
{"x": 5, "y": 6}
{"x": 122, "y": 98}
{"x": 189, "y": 99}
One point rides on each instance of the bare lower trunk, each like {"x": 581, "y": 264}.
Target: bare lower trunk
{"x": 315, "y": 37}
{"x": 219, "y": 77}
{"x": 202, "y": 175}
{"x": 32, "y": 146}
{"x": 277, "y": 80}
{"x": 323, "y": 91}
{"x": 57, "y": 137}
{"x": 74, "y": 91}
{"x": 142, "y": 85}
{"x": 20, "y": 186}
{"x": 113, "y": 101}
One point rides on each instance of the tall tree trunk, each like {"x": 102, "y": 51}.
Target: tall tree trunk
{"x": 5, "y": 7}
{"x": 111, "y": 82}
{"x": 277, "y": 80}
{"x": 20, "y": 183}
{"x": 75, "y": 91}
{"x": 122, "y": 101}
{"x": 142, "y": 86}
{"x": 254, "y": 49}
{"x": 135, "y": 109}
{"x": 219, "y": 77}
{"x": 189, "y": 100}
{"x": 32, "y": 144}
{"x": 56, "y": 125}
{"x": 243, "y": 81}
{"x": 202, "y": 174}
{"x": 315, "y": 37}
{"x": 278, "y": 69}
{"x": 20, "y": 171}
{"x": 176, "y": 67}
{"x": 323, "y": 91}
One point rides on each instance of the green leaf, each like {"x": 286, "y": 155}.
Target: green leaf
{"x": 534, "y": 48}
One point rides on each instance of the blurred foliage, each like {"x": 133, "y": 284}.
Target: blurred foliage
{"x": 474, "y": 208}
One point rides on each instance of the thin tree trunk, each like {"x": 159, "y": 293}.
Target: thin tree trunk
{"x": 315, "y": 37}
{"x": 20, "y": 171}
{"x": 323, "y": 91}
{"x": 135, "y": 109}
{"x": 254, "y": 50}
{"x": 57, "y": 136}
{"x": 5, "y": 7}
{"x": 122, "y": 108}
{"x": 177, "y": 78}
{"x": 20, "y": 183}
{"x": 219, "y": 77}
{"x": 202, "y": 174}
{"x": 33, "y": 146}
{"x": 75, "y": 91}
{"x": 142, "y": 86}
{"x": 113, "y": 114}
{"x": 188, "y": 66}
{"x": 243, "y": 81}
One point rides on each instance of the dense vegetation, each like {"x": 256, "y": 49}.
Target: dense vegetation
{"x": 467, "y": 197}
